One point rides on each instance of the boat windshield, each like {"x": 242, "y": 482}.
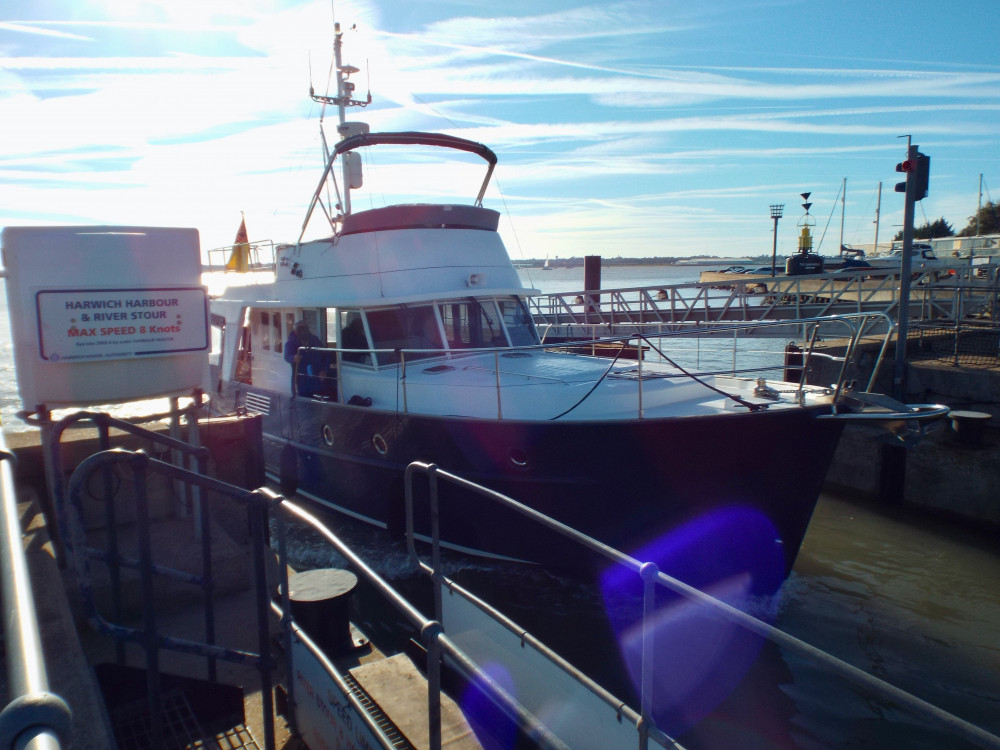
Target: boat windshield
{"x": 472, "y": 324}
{"x": 520, "y": 328}
{"x": 467, "y": 323}
{"x": 408, "y": 328}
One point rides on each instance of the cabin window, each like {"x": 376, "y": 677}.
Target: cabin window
{"x": 265, "y": 330}
{"x": 517, "y": 321}
{"x": 218, "y": 333}
{"x": 472, "y": 324}
{"x": 277, "y": 340}
{"x": 244, "y": 355}
{"x": 405, "y": 328}
{"x": 330, "y": 316}
{"x": 314, "y": 318}
{"x": 289, "y": 327}
{"x": 353, "y": 336}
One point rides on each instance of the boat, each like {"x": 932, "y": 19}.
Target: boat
{"x": 923, "y": 256}
{"x": 423, "y": 349}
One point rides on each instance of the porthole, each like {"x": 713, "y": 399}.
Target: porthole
{"x": 328, "y": 435}
{"x": 518, "y": 457}
{"x": 379, "y": 444}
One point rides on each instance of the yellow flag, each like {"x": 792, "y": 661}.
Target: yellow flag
{"x": 239, "y": 259}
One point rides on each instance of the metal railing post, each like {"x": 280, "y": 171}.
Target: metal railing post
{"x": 34, "y": 718}
{"x": 648, "y": 573}
{"x": 258, "y": 531}
{"x": 150, "y": 639}
{"x": 496, "y": 368}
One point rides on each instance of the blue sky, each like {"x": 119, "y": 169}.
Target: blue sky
{"x": 629, "y": 128}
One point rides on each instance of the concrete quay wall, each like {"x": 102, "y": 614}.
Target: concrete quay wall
{"x": 946, "y": 472}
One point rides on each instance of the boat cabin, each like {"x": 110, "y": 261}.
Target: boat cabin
{"x": 365, "y": 339}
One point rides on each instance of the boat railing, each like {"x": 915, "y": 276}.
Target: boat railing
{"x": 653, "y": 579}
{"x": 242, "y": 258}
{"x": 649, "y": 339}
{"x": 33, "y": 718}
{"x": 263, "y": 506}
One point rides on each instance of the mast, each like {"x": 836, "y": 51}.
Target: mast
{"x": 351, "y": 163}
{"x": 843, "y": 210}
{"x": 979, "y": 206}
{"x": 878, "y": 214}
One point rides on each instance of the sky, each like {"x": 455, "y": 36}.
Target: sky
{"x": 646, "y": 128}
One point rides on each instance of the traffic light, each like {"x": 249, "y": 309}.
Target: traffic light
{"x": 922, "y": 176}
{"x": 920, "y": 167}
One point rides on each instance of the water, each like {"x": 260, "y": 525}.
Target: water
{"x": 562, "y": 280}
{"x": 912, "y": 601}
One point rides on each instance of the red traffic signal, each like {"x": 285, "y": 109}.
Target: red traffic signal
{"x": 920, "y": 168}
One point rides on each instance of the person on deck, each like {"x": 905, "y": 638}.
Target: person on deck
{"x": 308, "y": 368}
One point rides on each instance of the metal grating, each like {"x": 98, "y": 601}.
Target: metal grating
{"x": 231, "y": 739}
{"x": 258, "y": 403}
{"x": 132, "y": 726}
{"x": 383, "y": 722}
{"x": 132, "y": 723}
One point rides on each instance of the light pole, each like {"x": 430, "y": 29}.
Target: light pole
{"x": 776, "y": 211}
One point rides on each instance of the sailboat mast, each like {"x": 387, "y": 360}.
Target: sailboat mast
{"x": 979, "y": 206}
{"x": 878, "y": 215}
{"x": 843, "y": 210}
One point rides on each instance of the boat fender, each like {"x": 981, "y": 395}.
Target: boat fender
{"x": 288, "y": 471}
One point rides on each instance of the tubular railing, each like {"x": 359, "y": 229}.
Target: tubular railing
{"x": 34, "y": 718}
{"x": 645, "y": 728}
{"x": 148, "y": 637}
{"x": 262, "y": 503}
{"x": 652, "y": 578}
{"x": 934, "y": 293}
{"x": 260, "y": 257}
{"x": 182, "y": 452}
{"x": 649, "y": 338}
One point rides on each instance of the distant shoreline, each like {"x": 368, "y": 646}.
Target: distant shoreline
{"x": 578, "y": 262}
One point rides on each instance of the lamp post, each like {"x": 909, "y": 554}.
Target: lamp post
{"x": 776, "y": 211}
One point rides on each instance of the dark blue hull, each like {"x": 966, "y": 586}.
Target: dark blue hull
{"x": 706, "y": 497}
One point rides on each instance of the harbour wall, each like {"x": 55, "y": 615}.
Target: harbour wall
{"x": 953, "y": 470}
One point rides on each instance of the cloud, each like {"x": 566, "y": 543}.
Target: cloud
{"x": 36, "y": 29}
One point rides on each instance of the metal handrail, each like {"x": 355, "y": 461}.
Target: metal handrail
{"x": 34, "y": 718}
{"x": 436, "y": 641}
{"x": 262, "y": 501}
{"x": 853, "y": 326}
{"x": 255, "y": 251}
{"x": 52, "y": 440}
{"x": 651, "y": 577}
{"x": 148, "y": 636}
{"x": 738, "y": 297}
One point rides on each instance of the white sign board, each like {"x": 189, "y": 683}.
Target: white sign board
{"x": 105, "y": 314}
{"x": 88, "y": 324}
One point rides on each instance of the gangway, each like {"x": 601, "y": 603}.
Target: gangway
{"x": 951, "y": 293}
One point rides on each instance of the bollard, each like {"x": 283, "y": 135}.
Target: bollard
{"x": 969, "y": 426}
{"x": 319, "y": 600}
